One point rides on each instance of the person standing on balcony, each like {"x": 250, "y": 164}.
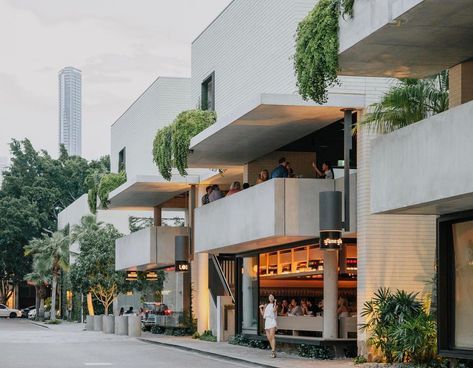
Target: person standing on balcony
{"x": 280, "y": 171}
{"x": 327, "y": 171}
{"x": 269, "y": 313}
{"x": 234, "y": 188}
{"x": 205, "y": 197}
{"x": 262, "y": 177}
{"x": 215, "y": 193}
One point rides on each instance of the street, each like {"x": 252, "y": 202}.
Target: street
{"x": 25, "y": 345}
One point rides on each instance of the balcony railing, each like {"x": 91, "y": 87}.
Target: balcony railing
{"x": 276, "y": 212}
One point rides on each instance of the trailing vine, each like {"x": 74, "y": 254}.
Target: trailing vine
{"x": 316, "y": 57}
{"x": 171, "y": 144}
{"x": 108, "y": 183}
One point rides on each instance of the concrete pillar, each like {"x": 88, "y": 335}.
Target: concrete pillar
{"x": 98, "y": 323}
{"x": 330, "y": 294}
{"x": 134, "y": 326}
{"x": 461, "y": 83}
{"x": 109, "y": 324}
{"x": 121, "y": 325}
{"x": 247, "y": 290}
{"x": 89, "y": 325}
{"x": 203, "y": 292}
{"x": 157, "y": 216}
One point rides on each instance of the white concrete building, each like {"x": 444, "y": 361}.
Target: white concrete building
{"x": 70, "y": 110}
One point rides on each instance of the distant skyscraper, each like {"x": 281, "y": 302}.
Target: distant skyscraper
{"x": 70, "y": 110}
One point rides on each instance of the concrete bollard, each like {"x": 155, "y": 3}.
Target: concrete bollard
{"x": 108, "y": 324}
{"x": 98, "y": 323}
{"x": 134, "y": 326}
{"x": 121, "y": 325}
{"x": 89, "y": 325}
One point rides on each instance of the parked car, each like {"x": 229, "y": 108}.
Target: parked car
{"x": 25, "y": 311}
{"x": 9, "y": 312}
{"x": 160, "y": 309}
{"x": 32, "y": 314}
{"x": 149, "y": 322}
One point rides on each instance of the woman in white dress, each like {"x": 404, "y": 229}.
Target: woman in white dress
{"x": 269, "y": 313}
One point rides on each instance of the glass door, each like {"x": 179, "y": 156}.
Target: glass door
{"x": 249, "y": 298}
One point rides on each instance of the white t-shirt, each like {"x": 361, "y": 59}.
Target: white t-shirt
{"x": 269, "y": 316}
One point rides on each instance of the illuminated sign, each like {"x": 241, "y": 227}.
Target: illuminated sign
{"x": 151, "y": 275}
{"x": 331, "y": 240}
{"x": 182, "y": 266}
{"x": 132, "y": 275}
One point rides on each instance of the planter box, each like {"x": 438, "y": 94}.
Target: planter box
{"x": 134, "y": 326}
{"x": 98, "y": 323}
{"x": 89, "y": 325}
{"x": 121, "y": 325}
{"x": 108, "y": 324}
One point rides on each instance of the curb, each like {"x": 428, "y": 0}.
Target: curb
{"x": 207, "y": 353}
{"x": 39, "y": 324}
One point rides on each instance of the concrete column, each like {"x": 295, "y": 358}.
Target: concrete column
{"x": 330, "y": 294}
{"x": 461, "y": 83}
{"x": 89, "y": 326}
{"x": 134, "y": 326}
{"x": 157, "y": 215}
{"x": 98, "y": 323}
{"x": 203, "y": 292}
{"x": 121, "y": 325}
{"x": 248, "y": 293}
{"x": 109, "y": 324}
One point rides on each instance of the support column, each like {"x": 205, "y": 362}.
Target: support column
{"x": 330, "y": 294}
{"x": 158, "y": 213}
{"x": 461, "y": 83}
{"x": 203, "y": 292}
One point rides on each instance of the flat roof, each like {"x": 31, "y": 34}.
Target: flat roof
{"x": 406, "y": 39}
{"x": 264, "y": 124}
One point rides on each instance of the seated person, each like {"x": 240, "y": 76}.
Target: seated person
{"x": 314, "y": 308}
{"x": 280, "y": 171}
{"x": 342, "y": 310}
{"x": 234, "y": 188}
{"x": 284, "y": 308}
{"x": 294, "y": 309}
{"x": 305, "y": 308}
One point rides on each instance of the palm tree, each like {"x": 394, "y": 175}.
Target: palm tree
{"x": 51, "y": 253}
{"x": 40, "y": 280}
{"x": 408, "y": 102}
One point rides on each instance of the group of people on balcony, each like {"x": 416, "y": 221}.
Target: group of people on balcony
{"x": 307, "y": 308}
{"x": 283, "y": 170}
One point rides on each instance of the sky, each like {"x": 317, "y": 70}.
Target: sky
{"x": 121, "y": 46}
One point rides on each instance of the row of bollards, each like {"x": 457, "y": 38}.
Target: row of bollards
{"x": 129, "y": 325}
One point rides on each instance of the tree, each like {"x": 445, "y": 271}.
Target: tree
{"x": 51, "y": 253}
{"x": 38, "y": 277}
{"x": 408, "y": 102}
{"x": 94, "y": 268}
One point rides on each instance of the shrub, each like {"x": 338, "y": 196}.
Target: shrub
{"x": 360, "y": 359}
{"x": 107, "y": 184}
{"x": 53, "y": 322}
{"x": 208, "y": 336}
{"x": 315, "y": 352}
{"x": 245, "y": 341}
{"x": 157, "y": 329}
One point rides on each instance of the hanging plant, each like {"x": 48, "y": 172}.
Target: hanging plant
{"x": 187, "y": 125}
{"x": 162, "y": 151}
{"x": 171, "y": 144}
{"x": 108, "y": 183}
{"x": 316, "y": 57}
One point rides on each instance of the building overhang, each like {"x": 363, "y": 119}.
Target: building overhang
{"x": 413, "y": 38}
{"x": 264, "y": 124}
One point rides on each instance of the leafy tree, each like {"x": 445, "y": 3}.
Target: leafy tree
{"x": 408, "y": 102}
{"x": 51, "y": 253}
{"x": 94, "y": 268}
{"x": 40, "y": 279}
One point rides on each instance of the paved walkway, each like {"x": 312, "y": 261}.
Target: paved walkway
{"x": 243, "y": 354}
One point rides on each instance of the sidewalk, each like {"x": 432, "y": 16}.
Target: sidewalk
{"x": 243, "y": 354}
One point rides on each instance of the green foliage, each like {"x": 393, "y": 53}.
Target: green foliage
{"x": 53, "y": 322}
{"x": 245, "y": 341}
{"x": 207, "y": 336}
{"x": 315, "y": 352}
{"x": 171, "y": 144}
{"x": 408, "y": 102}
{"x": 94, "y": 268}
{"x": 399, "y": 327}
{"x": 107, "y": 184}
{"x": 157, "y": 330}
{"x": 196, "y": 335}
{"x": 360, "y": 359}
{"x": 139, "y": 223}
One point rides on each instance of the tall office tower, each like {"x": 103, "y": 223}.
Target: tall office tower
{"x": 70, "y": 110}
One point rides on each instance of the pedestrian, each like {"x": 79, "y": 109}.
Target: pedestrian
{"x": 122, "y": 310}
{"x": 269, "y": 313}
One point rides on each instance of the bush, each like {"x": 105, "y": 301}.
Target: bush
{"x": 360, "y": 359}
{"x": 53, "y": 322}
{"x": 107, "y": 184}
{"x": 399, "y": 327}
{"x": 157, "y": 330}
{"x": 245, "y": 341}
{"x": 315, "y": 352}
{"x": 207, "y": 336}
{"x": 196, "y": 335}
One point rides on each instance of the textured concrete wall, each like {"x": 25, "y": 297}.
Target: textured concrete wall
{"x": 424, "y": 162}
{"x": 395, "y": 251}
{"x": 136, "y": 128}
{"x": 250, "y": 48}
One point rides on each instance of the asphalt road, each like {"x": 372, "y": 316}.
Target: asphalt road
{"x": 26, "y": 345}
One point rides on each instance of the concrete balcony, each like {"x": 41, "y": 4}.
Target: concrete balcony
{"x": 279, "y": 211}
{"x": 425, "y": 168}
{"x": 147, "y": 249}
{"x": 401, "y": 38}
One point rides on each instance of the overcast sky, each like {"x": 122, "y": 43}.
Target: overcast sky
{"x": 121, "y": 46}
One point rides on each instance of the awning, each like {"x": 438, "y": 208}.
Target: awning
{"x": 415, "y": 38}
{"x": 264, "y": 124}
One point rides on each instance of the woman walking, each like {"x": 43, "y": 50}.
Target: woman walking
{"x": 269, "y": 313}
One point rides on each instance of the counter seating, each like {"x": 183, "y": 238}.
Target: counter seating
{"x": 347, "y": 325}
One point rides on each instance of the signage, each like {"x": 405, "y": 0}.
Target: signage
{"x": 331, "y": 240}
{"x": 182, "y": 266}
{"x": 132, "y": 275}
{"x": 151, "y": 276}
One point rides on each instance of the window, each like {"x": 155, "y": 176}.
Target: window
{"x": 122, "y": 160}
{"x": 208, "y": 93}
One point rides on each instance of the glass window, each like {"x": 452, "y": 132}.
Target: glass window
{"x": 208, "y": 93}
{"x": 249, "y": 321}
{"x": 122, "y": 160}
{"x": 463, "y": 250}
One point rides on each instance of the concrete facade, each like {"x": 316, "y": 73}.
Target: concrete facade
{"x": 136, "y": 128}
{"x": 425, "y": 168}
{"x": 249, "y": 47}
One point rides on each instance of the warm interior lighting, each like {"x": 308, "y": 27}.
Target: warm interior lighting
{"x": 132, "y": 275}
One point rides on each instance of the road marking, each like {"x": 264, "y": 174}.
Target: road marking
{"x": 95, "y": 364}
